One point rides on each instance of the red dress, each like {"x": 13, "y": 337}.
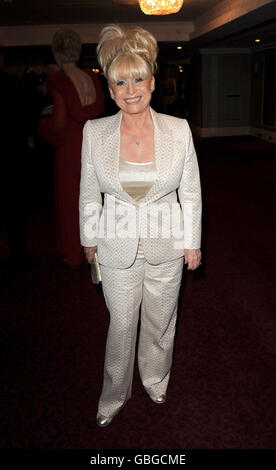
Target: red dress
{"x": 64, "y": 130}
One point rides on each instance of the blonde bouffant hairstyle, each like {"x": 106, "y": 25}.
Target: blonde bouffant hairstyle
{"x": 66, "y": 46}
{"x": 126, "y": 52}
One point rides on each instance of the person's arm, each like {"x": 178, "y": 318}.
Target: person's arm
{"x": 51, "y": 128}
{"x": 90, "y": 199}
{"x": 189, "y": 193}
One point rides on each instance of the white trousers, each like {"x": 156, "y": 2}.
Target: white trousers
{"x": 155, "y": 288}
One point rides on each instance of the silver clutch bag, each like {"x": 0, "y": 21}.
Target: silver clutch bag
{"x": 95, "y": 270}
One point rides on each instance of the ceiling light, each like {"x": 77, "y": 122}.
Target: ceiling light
{"x": 160, "y": 7}
{"x": 257, "y": 40}
{"x": 179, "y": 47}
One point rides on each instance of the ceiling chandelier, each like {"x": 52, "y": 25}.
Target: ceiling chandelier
{"x": 160, "y": 7}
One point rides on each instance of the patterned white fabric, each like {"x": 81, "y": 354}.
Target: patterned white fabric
{"x": 139, "y": 271}
{"x": 156, "y": 289}
{"x": 177, "y": 173}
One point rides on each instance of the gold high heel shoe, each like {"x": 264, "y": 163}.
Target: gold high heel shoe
{"x": 103, "y": 421}
{"x": 159, "y": 400}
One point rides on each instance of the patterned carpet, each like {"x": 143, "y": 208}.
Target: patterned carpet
{"x": 222, "y": 389}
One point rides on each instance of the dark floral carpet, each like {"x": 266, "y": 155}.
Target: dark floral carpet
{"x": 222, "y": 389}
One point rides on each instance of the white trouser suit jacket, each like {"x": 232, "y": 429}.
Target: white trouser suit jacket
{"x": 164, "y": 223}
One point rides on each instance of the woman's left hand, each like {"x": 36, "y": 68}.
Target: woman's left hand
{"x": 192, "y": 258}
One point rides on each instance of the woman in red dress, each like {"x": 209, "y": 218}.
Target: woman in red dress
{"x": 77, "y": 96}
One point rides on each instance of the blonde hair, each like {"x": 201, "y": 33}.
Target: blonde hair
{"x": 66, "y": 46}
{"x": 123, "y": 52}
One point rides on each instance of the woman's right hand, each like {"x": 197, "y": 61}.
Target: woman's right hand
{"x": 89, "y": 252}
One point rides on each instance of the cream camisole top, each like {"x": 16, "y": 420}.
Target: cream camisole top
{"x": 137, "y": 178}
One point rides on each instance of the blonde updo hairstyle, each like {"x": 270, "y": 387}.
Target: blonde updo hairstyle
{"x": 66, "y": 46}
{"x": 126, "y": 52}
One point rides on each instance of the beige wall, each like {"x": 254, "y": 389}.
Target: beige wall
{"x": 257, "y": 94}
{"x": 257, "y": 89}
{"x": 226, "y": 89}
{"x": 229, "y": 100}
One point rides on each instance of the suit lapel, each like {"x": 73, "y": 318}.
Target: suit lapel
{"x": 163, "y": 150}
{"x": 111, "y": 153}
{"x": 111, "y": 144}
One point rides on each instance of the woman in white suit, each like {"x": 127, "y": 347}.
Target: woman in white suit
{"x": 140, "y": 160}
